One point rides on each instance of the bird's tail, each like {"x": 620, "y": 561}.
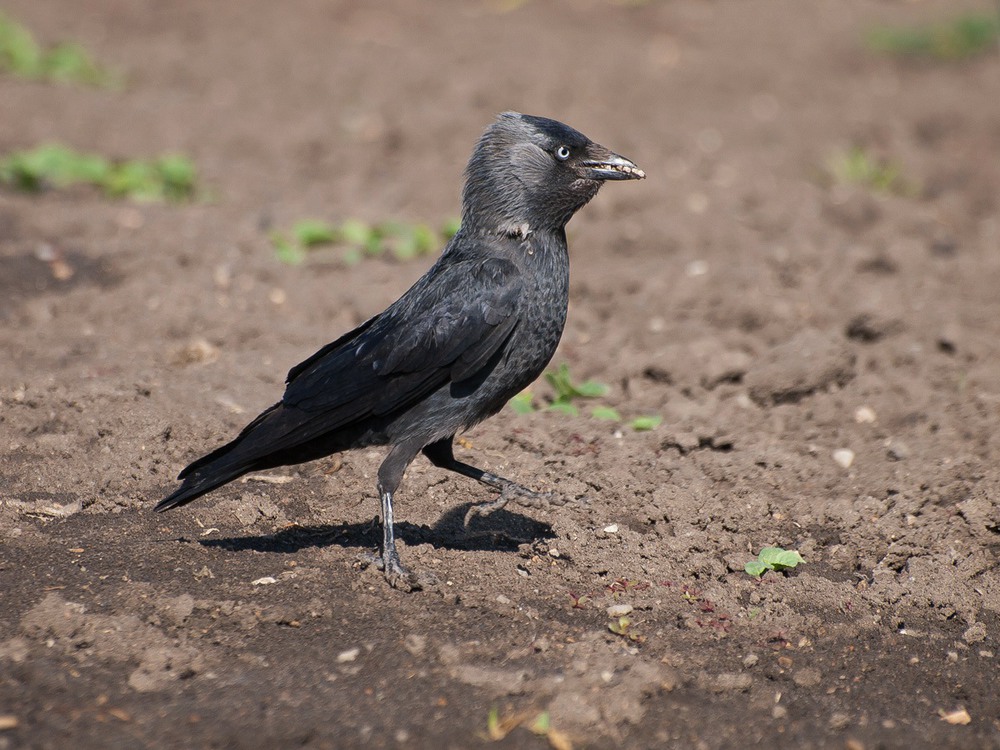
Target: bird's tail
{"x": 199, "y": 483}
{"x": 217, "y": 468}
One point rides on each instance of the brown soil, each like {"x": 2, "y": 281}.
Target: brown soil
{"x": 735, "y": 292}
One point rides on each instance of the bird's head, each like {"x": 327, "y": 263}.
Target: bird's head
{"x": 532, "y": 173}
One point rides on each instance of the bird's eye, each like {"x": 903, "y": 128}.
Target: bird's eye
{"x": 562, "y": 153}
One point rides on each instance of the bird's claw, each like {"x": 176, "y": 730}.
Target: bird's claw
{"x": 398, "y": 576}
{"x": 518, "y": 494}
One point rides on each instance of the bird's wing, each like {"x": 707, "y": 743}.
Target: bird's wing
{"x": 445, "y": 330}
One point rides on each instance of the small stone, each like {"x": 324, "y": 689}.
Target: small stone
{"x": 807, "y": 677}
{"x": 619, "y": 610}
{"x": 698, "y": 267}
{"x": 349, "y": 655}
{"x": 839, "y": 721}
{"x": 611, "y": 529}
{"x": 553, "y": 552}
{"x": 728, "y": 681}
{"x": 844, "y": 457}
{"x": 975, "y": 633}
{"x": 750, "y": 660}
{"x": 265, "y": 581}
{"x": 952, "y": 657}
{"x": 864, "y": 415}
{"x": 897, "y": 450}
{"x": 779, "y": 712}
{"x": 415, "y": 644}
{"x": 958, "y": 716}
{"x": 501, "y": 599}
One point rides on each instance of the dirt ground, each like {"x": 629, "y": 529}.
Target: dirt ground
{"x": 773, "y": 319}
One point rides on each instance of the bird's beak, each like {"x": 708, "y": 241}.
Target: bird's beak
{"x": 605, "y": 165}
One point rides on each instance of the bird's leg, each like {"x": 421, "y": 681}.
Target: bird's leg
{"x": 390, "y": 474}
{"x": 395, "y": 573}
{"x": 442, "y": 456}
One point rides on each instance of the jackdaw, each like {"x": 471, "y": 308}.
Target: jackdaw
{"x": 471, "y": 333}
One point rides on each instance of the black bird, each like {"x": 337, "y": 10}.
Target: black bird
{"x": 475, "y": 330}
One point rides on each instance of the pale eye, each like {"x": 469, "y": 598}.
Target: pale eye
{"x": 562, "y": 153}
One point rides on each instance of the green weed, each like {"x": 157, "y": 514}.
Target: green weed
{"x": 167, "y": 178}
{"x": 858, "y": 167}
{"x": 568, "y": 392}
{"x": 958, "y": 39}
{"x": 22, "y": 56}
{"x": 773, "y": 558}
{"x": 359, "y": 239}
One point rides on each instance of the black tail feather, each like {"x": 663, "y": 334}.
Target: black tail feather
{"x": 198, "y": 484}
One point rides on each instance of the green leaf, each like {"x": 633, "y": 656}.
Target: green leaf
{"x": 541, "y": 724}
{"x": 644, "y": 424}
{"x": 355, "y": 232}
{"x": 450, "y": 228}
{"x": 522, "y": 403}
{"x": 564, "y": 407}
{"x": 312, "y": 232}
{"x": 605, "y": 413}
{"x": 287, "y": 252}
{"x": 591, "y": 389}
{"x": 620, "y": 626}
{"x": 788, "y": 559}
{"x": 756, "y": 568}
{"x": 770, "y": 555}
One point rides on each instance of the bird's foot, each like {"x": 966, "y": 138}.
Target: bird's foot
{"x": 398, "y": 576}
{"x": 518, "y": 494}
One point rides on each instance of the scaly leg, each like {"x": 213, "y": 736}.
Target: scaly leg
{"x": 442, "y": 456}
{"x": 390, "y": 474}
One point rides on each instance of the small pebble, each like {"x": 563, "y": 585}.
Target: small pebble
{"x": 266, "y": 580}
{"x": 844, "y": 457}
{"x": 975, "y": 633}
{"x": 779, "y": 712}
{"x": 898, "y": 450}
{"x": 750, "y": 660}
{"x": 864, "y": 415}
{"x": 728, "y": 681}
{"x": 415, "y": 643}
{"x": 611, "y": 529}
{"x": 350, "y": 655}
{"x": 553, "y": 552}
{"x": 501, "y": 599}
{"x": 807, "y": 677}
{"x": 839, "y": 721}
{"x": 619, "y": 610}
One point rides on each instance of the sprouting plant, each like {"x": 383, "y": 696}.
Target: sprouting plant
{"x": 360, "y": 239}
{"x": 566, "y": 391}
{"x": 858, "y": 167}
{"x": 960, "y": 38}
{"x": 522, "y": 403}
{"x": 773, "y": 558}
{"x": 22, "y": 56}
{"x": 643, "y": 424}
{"x": 170, "y": 177}
{"x": 623, "y": 626}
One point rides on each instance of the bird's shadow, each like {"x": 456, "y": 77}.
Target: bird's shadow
{"x": 502, "y": 531}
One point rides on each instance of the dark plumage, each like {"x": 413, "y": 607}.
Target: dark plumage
{"x": 475, "y": 330}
